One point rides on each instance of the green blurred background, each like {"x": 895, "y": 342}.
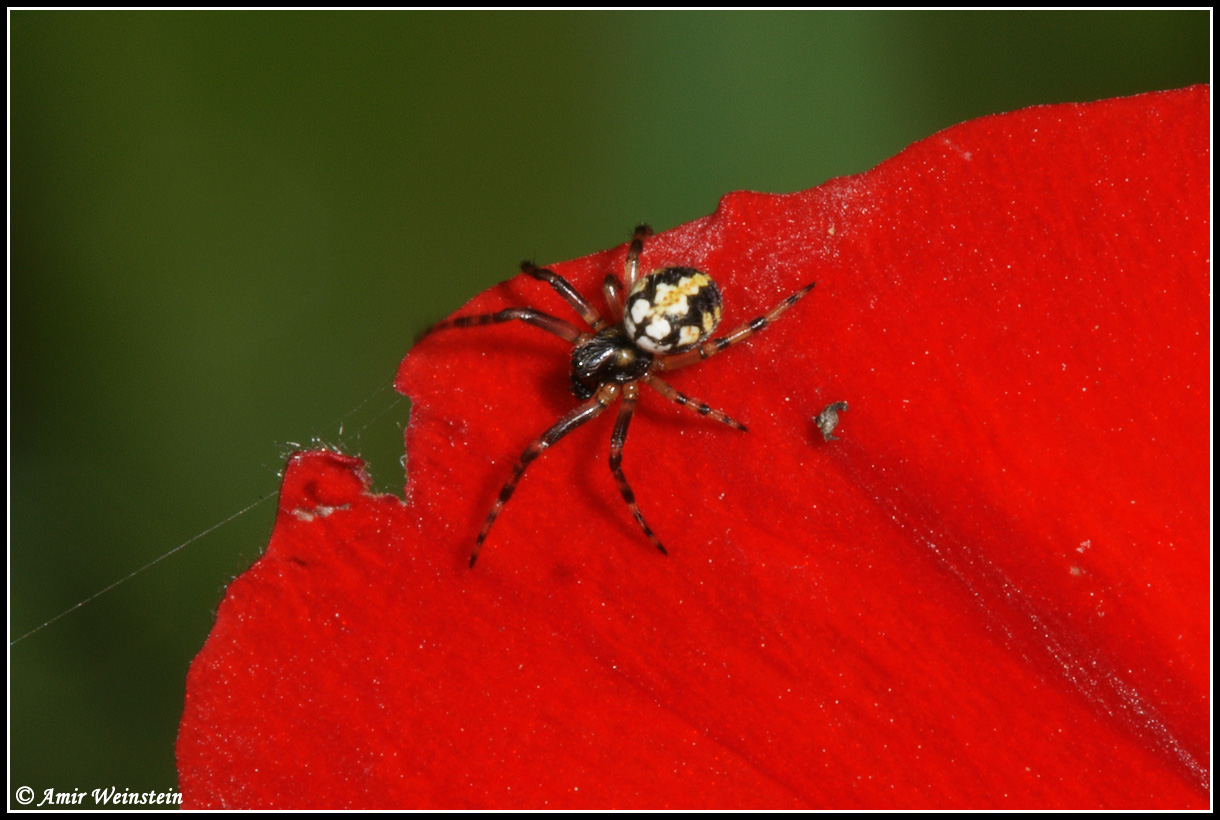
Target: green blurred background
{"x": 226, "y": 229}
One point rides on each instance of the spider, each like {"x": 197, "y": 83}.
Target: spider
{"x": 661, "y": 321}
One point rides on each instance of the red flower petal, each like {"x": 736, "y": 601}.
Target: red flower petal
{"x": 992, "y": 591}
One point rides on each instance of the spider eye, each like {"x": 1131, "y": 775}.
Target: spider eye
{"x": 671, "y": 310}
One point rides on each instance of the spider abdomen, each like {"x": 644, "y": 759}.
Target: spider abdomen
{"x": 672, "y": 310}
{"x": 607, "y": 357}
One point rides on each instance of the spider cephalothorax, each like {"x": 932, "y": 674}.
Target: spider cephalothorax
{"x": 661, "y": 321}
{"x": 607, "y": 356}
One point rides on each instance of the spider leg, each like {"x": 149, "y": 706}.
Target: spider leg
{"x": 565, "y": 289}
{"x": 564, "y": 330}
{"x": 713, "y": 346}
{"x": 588, "y": 411}
{"x": 616, "y": 289}
{"x": 630, "y": 391}
{"x": 613, "y": 289}
{"x": 694, "y": 404}
{"x": 631, "y": 269}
